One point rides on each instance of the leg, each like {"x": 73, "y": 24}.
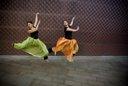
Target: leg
{"x": 45, "y": 57}
{"x": 50, "y": 50}
{"x": 74, "y": 54}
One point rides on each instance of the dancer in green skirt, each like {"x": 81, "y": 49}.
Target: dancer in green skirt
{"x": 32, "y": 45}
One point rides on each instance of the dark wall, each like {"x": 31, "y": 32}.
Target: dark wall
{"x": 103, "y": 24}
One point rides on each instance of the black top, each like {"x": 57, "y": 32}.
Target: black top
{"x": 34, "y": 34}
{"x": 68, "y": 34}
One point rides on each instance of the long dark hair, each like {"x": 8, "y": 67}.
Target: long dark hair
{"x": 29, "y": 22}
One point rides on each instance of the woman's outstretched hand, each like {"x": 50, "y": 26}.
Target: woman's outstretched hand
{"x": 37, "y": 13}
{"x": 77, "y": 28}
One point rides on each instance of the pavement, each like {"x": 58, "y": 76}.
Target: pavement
{"x": 84, "y": 71}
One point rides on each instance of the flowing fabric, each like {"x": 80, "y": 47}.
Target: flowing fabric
{"x": 32, "y": 46}
{"x": 67, "y": 46}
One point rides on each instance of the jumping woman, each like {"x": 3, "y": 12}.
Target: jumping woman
{"x": 67, "y": 45}
{"x": 33, "y": 45}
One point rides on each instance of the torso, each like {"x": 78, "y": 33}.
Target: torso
{"x": 68, "y": 34}
{"x": 34, "y": 34}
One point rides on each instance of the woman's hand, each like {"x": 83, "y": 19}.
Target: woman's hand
{"x": 72, "y": 21}
{"x": 36, "y": 19}
{"x": 37, "y": 13}
{"x": 77, "y": 28}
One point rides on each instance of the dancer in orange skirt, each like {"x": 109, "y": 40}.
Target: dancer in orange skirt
{"x": 66, "y": 44}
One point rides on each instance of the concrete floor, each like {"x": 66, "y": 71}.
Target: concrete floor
{"x": 84, "y": 71}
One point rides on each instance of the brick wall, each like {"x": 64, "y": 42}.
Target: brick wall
{"x": 103, "y": 24}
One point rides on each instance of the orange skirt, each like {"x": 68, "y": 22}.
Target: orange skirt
{"x": 67, "y": 46}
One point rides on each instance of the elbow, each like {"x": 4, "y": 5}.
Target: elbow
{"x": 70, "y": 24}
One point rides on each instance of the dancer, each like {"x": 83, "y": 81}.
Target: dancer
{"x": 32, "y": 45}
{"x": 67, "y": 44}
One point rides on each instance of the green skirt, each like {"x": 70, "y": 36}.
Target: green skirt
{"x": 32, "y": 46}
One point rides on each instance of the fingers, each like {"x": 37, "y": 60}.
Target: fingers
{"x": 78, "y": 27}
{"x": 73, "y": 18}
{"x": 37, "y": 13}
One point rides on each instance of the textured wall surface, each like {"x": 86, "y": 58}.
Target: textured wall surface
{"x": 103, "y": 24}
